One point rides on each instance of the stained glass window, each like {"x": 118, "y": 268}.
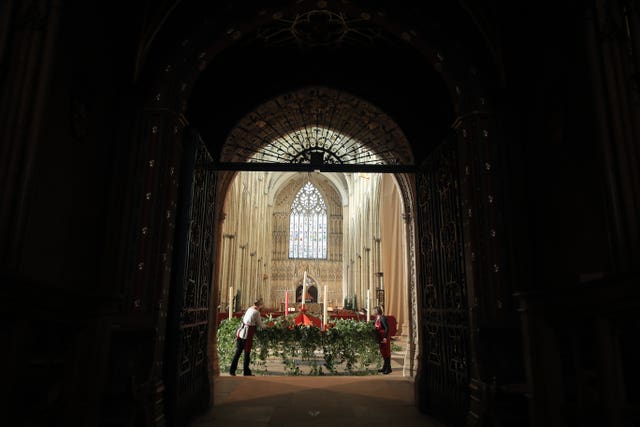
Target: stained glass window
{"x": 308, "y": 224}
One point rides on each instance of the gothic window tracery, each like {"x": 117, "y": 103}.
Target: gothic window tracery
{"x": 308, "y": 224}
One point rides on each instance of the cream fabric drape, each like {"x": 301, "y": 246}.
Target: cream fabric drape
{"x": 393, "y": 253}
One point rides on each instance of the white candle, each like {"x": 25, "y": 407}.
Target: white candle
{"x": 304, "y": 288}
{"x": 230, "y": 302}
{"x": 368, "y": 306}
{"x": 324, "y": 309}
{"x": 286, "y": 303}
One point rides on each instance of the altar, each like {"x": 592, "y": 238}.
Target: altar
{"x": 311, "y": 307}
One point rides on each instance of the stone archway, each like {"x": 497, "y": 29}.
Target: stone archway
{"x": 162, "y": 130}
{"x": 279, "y": 132}
{"x": 319, "y": 126}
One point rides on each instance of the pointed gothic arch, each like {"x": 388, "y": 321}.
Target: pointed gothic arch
{"x": 311, "y": 290}
{"x": 317, "y": 125}
{"x": 266, "y": 129}
{"x": 164, "y": 121}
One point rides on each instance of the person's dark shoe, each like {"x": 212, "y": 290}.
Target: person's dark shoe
{"x": 233, "y": 374}
{"x": 386, "y": 369}
{"x": 249, "y": 375}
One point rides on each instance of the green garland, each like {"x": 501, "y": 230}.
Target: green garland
{"x": 347, "y": 347}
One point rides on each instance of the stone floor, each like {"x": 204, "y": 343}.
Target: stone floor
{"x": 278, "y": 400}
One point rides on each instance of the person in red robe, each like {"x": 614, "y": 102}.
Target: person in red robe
{"x": 384, "y": 340}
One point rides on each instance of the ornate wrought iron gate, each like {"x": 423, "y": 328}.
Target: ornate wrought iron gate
{"x": 444, "y": 372}
{"x": 187, "y": 364}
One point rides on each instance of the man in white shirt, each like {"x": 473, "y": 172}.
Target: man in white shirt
{"x": 244, "y": 337}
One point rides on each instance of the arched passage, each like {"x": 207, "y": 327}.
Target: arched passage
{"x": 195, "y": 87}
{"x": 352, "y": 133}
{"x": 97, "y": 124}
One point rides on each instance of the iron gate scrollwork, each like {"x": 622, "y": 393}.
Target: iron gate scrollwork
{"x": 444, "y": 382}
{"x": 187, "y": 367}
